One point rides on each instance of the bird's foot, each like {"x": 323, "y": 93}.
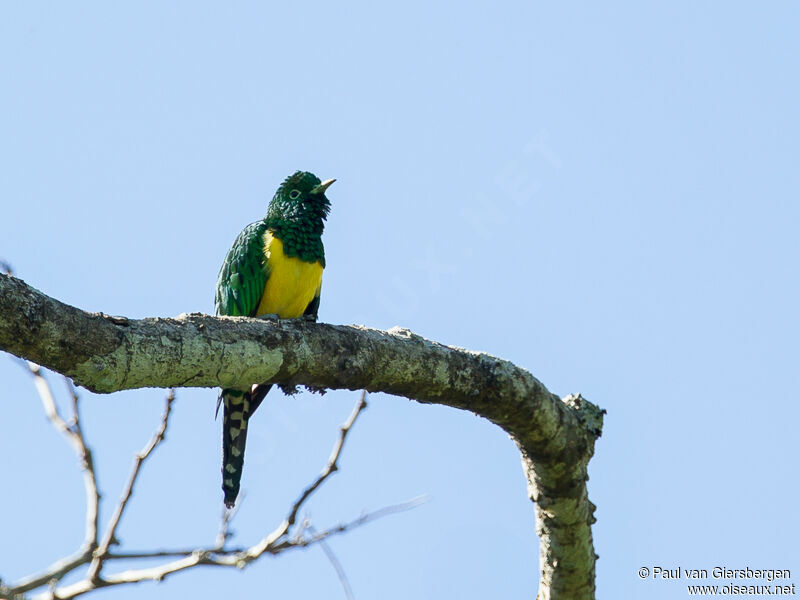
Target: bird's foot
{"x": 269, "y": 317}
{"x": 309, "y": 318}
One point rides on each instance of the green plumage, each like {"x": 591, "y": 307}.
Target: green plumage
{"x": 298, "y": 221}
{"x": 296, "y": 217}
{"x": 243, "y": 274}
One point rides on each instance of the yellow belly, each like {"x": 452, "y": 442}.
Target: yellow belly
{"x": 292, "y": 282}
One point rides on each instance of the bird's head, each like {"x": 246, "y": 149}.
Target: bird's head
{"x": 300, "y": 197}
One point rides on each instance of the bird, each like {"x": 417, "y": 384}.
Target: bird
{"x": 273, "y": 269}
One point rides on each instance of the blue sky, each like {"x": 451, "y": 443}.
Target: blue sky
{"x": 605, "y": 194}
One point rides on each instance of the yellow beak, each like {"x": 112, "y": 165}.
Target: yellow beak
{"x": 320, "y": 189}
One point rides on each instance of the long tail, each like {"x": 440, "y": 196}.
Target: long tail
{"x": 238, "y": 407}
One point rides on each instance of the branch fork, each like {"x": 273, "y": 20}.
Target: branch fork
{"x": 556, "y": 437}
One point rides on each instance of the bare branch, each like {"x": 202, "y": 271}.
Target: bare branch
{"x": 273, "y": 538}
{"x": 74, "y": 435}
{"x": 90, "y": 480}
{"x": 110, "y": 535}
{"x": 333, "y": 461}
{"x": 192, "y": 557}
{"x": 335, "y": 563}
{"x": 274, "y": 543}
{"x": 294, "y": 541}
{"x": 225, "y": 521}
{"x": 367, "y": 517}
{"x": 556, "y": 437}
{"x": 53, "y": 573}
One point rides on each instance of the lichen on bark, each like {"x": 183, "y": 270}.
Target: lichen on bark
{"x": 556, "y": 437}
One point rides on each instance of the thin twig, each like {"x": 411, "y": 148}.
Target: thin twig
{"x": 187, "y": 559}
{"x": 335, "y": 563}
{"x": 365, "y": 518}
{"x": 74, "y": 435}
{"x": 331, "y": 467}
{"x": 274, "y": 543}
{"x": 296, "y": 541}
{"x": 333, "y": 461}
{"x": 175, "y": 552}
{"x": 92, "y": 492}
{"x": 54, "y": 572}
{"x": 225, "y": 521}
{"x": 110, "y": 534}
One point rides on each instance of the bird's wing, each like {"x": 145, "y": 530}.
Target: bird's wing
{"x": 240, "y": 285}
{"x": 313, "y": 307}
{"x": 243, "y": 274}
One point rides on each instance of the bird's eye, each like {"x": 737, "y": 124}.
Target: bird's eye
{"x": 294, "y": 194}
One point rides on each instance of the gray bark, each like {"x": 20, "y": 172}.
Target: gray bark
{"x": 556, "y": 437}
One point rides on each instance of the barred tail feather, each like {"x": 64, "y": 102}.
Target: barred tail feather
{"x": 238, "y": 407}
{"x": 235, "y": 414}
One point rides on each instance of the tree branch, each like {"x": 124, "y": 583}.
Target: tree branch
{"x": 336, "y": 564}
{"x": 74, "y": 435}
{"x": 333, "y": 461}
{"x": 109, "y": 538}
{"x": 556, "y": 438}
{"x": 279, "y": 540}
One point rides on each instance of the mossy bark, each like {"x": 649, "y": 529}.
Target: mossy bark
{"x": 556, "y": 437}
